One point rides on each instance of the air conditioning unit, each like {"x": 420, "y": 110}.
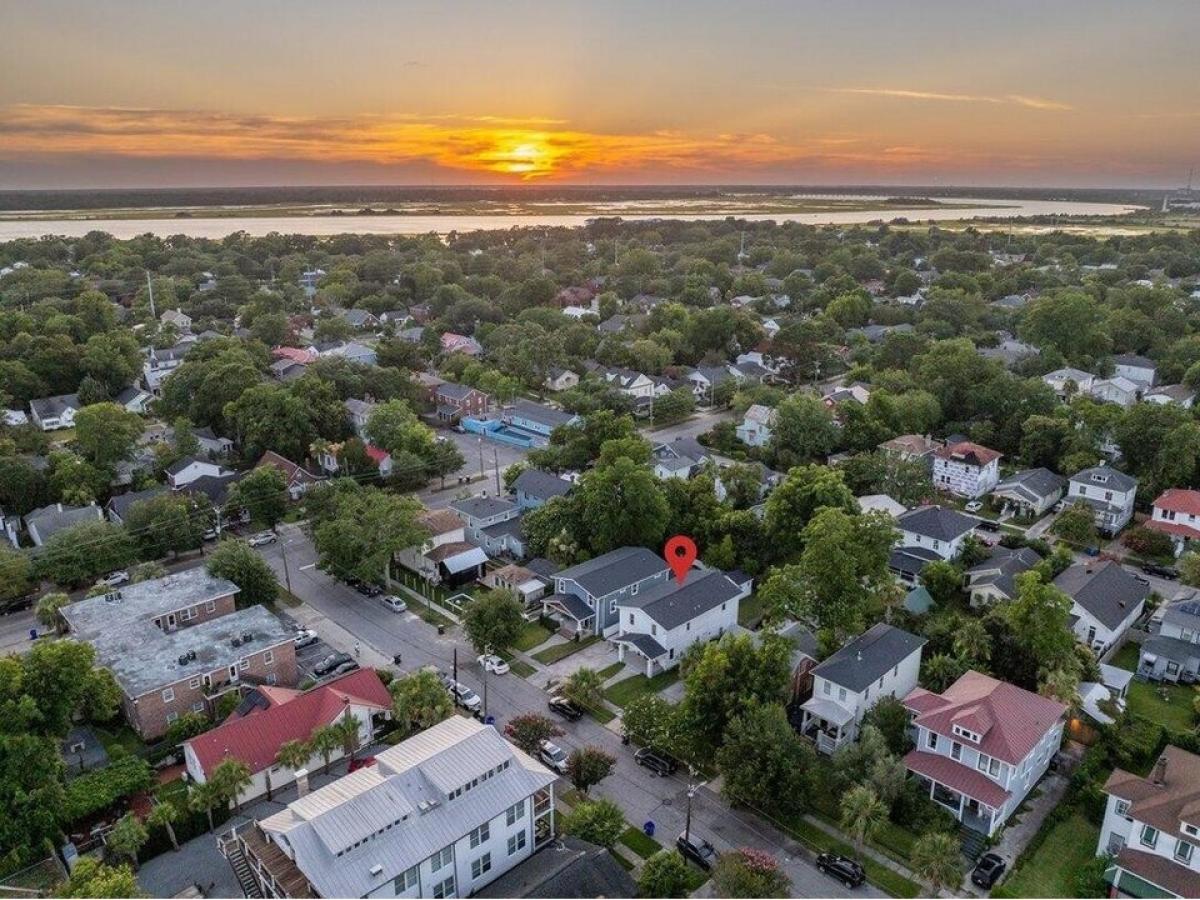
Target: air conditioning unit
{"x": 247, "y": 636}
{"x": 236, "y": 642}
{"x": 376, "y": 870}
{"x": 183, "y": 659}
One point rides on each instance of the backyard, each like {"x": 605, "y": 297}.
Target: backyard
{"x": 1052, "y": 869}
{"x": 1169, "y": 705}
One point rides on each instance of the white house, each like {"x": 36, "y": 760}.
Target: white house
{"x": 1109, "y": 493}
{"x": 1171, "y": 395}
{"x": 53, "y": 413}
{"x": 559, "y": 379}
{"x": 756, "y": 425}
{"x": 1172, "y": 651}
{"x": 1105, "y": 602}
{"x": 184, "y": 471}
{"x": 158, "y": 364}
{"x": 441, "y": 814}
{"x": 178, "y": 318}
{"x": 1068, "y": 381}
{"x": 1031, "y": 492}
{"x": 628, "y": 382}
{"x": 1138, "y": 369}
{"x": 966, "y": 469}
{"x": 1151, "y": 829}
{"x": 586, "y": 596}
{"x": 135, "y": 400}
{"x": 882, "y": 662}
{"x": 995, "y": 578}
{"x": 1118, "y": 389}
{"x": 1176, "y": 513}
{"x": 659, "y": 623}
{"x": 935, "y": 528}
{"x": 981, "y": 746}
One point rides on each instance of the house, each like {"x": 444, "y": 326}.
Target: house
{"x": 756, "y": 425}
{"x": 853, "y": 393}
{"x": 184, "y": 471}
{"x": 359, "y": 413}
{"x": 286, "y": 370}
{"x": 536, "y": 419}
{"x": 533, "y": 488}
{"x": 996, "y": 577}
{"x": 909, "y": 447}
{"x": 216, "y": 489}
{"x": 213, "y": 446}
{"x": 1150, "y": 829}
{"x": 1109, "y": 493}
{"x": 459, "y": 343}
{"x": 1118, "y": 389}
{"x": 119, "y": 505}
{"x": 310, "y": 279}
{"x": 1171, "y": 395}
{"x": 614, "y": 325}
{"x": 659, "y": 623}
{"x": 14, "y": 418}
{"x": 629, "y": 383}
{"x": 268, "y": 717}
{"x": 53, "y": 413}
{"x": 586, "y": 595}
{"x": 1172, "y": 652}
{"x": 966, "y": 469}
{"x": 882, "y": 662}
{"x": 1176, "y": 513}
{"x": 936, "y": 528}
{"x": 351, "y": 351}
{"x": 430, "y": 383}
{"x": 441, "y": 814}
{"x": 981, "y": 746}
{"x": 159, "y": 363}
{"x": 176, "y": 644}
{"x": 134, "y": 399}
{"x": 42, "y": 524}
{"x": 1067, "y": 382}
{"x": 1030, "y": 492}
{"x": 177, "y": 318}
{"x": 446, "y": 556}
{"x": 705, "y": 379}
{"x": 559, "y": 379}
{"x": 524, "y": 583}
{"x": 1105, "y": 601}
{"x": 573, "y": 869}
{"x": 297, "y": 477}
{"x": 1138, "y": 369}
{"x": 454, "y": 401}
{"x": 483, "y": 511}
{"x": 1009, "y": 351}
{"x": 381, "y": 458}
{"x": 682, "y": 458}
{"x": 358, "y": 319}
{"x": 869, "y": 503}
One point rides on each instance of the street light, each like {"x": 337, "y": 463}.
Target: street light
{"x": 691, "y": 792}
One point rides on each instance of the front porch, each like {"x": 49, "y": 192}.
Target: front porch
{"x": 572, "y": 614}
{"x": 974, "y": 799}
{"x": 651, "y": 651}
{"x": 827, "y": 725}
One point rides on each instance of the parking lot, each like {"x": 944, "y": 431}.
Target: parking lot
{"x": 309, "y": 656}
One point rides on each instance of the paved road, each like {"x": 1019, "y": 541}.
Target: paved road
{"x": 14, "y": 631}
{"x": 643, "y": 796}
{"x": 703, "y": 421}
{"x": 471, "y": 446}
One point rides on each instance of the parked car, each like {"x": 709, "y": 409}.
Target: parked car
{"x": 554, "y": 756}
{"x": 987, "y": 525}
{"x": 210, "y": 534}
{"x": 1161, "y": 571}
{"x": 466, "y": 698}
{"x": 366, "y": 588}
{"x": 565, "y": 708}
{"x": 112, "y": 579}
{"x": 847, "y": 871}
{"x": 974, "y": 506}
{"x": 331, "y": 662}
{"x": 305, "y": 638}
{"x": 394, "y": 603}
{"x": 658, "y": 763}
{"x": 348, "y": 666}
{"x": 494, "y": 664}
{"x": 262, "y": 539}
{"x": 988, "y": 870}
{"x": 701, "y": 852}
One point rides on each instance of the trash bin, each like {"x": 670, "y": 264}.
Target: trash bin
{"x": 489, "y": 720}
{"x": 33, "y": 634}
{"x": 648, "y": 828}
{"x": 441, "y": 629}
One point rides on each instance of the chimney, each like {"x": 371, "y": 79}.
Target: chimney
{"x": 1160, "y": 771}
{"x": 301, "y": 782}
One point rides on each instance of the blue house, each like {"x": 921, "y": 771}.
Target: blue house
{"x": 535, "y": 418}
{"x": 585, "y": 596}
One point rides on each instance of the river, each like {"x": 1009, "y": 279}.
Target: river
{"x": 219, "y": 227}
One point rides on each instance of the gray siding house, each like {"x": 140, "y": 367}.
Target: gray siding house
{"x": 586, "y": 596}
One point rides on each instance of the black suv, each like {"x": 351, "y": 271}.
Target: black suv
{"x": 331, "y": 662}
{"x": 847, "y": 871}
{"x": 658, "y": 763}
{"x": 565, "y": 708}
{"x": 702, "y": 853}
{"x": 1160, "y": 571}
{"x": 988, "y": 870}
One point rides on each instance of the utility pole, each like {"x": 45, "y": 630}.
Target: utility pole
{"x": 456, "y": 667}
{"x": 485, "y": 693}
{"x": 691, "y": 792}
{"x": 496, "y": 460}
{"x": 150, "y": 290}
{"x": 481, "y": 470}
{"x": 287, "y": 574}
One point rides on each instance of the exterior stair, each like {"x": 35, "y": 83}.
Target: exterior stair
{"x": 973, "y": 843}
{"x": 241, "y": 869}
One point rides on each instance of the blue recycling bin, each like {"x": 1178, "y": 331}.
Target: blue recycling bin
{"x": 648, "y": 828}
{"x": 33, "y": 634}
{"x": 489, "y": 720}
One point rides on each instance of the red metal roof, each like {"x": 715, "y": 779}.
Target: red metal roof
{"x": 256, "y": 739}
{"x": 1179, "y": 500}
{"x": 1179, "y": 528}
{"x": 968, "y": 452}
{"x": 377, "y": 454}
{"x": 295, "y": 354}
{"x": 1010, "y": 719}
{"x": 957, "y": 777}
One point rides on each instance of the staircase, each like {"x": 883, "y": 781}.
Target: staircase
{"x": 241, "y": 868}
{"x": 973, "y": 842}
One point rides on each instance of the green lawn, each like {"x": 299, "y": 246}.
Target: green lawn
{"x": 750, "y": 610}
{"x": 1051, "y": 870}
{"x": 562, "y": 651}
{"x": 639, "y": 842}
{"x": 610, "y": 671}
{"x": 120, "y": 737}
{"x": 624, "y": 692}
{"x": 429, "y": 614}
{"x": 532, "y": 635}
{"x": 1169, "y": 705}
{"x": 521, "y": 668}
{"x": 602, "y": 715}
{"x": 879, "y": 875}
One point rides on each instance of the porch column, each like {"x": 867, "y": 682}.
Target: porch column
{"x": 962, "y": 799}
{"x": 620, "y": 653}
{"x": 649, "y": 667}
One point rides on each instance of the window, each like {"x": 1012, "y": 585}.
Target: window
{"x": 1183, "y": 851}
{"x": 172, "y": 717}
{"x": 612, "y": 606}
{"x": 841, "y": 693}
{"x": 480, "y": 834}
{"x": 1122, "y": 808}
{"x": 441, "y": 859}
{"x": 268, "y": 657}
{"x": 481, "y": 866}
{"x": 194, "y": 683}
{"x": 243, "y": 663}
{"x": 444, "y": 888}
{"x": 405, "y": 881}
{"x": 828, "y": 687}
{"x": 198, "y": 706}
{"x": 631, "y": 618}
{"x": 931, "y": 740}
{"x": 1149, "y": 835}
{"x": 955, "y": 750}
{"x": 516, "y": 843}
{"x": 210, "y": 606}
{"x": 635, "y": 588}
{"x": 514, "y": 812}
{"x": 168, "y": 695}
{"x": 653, "y": 628}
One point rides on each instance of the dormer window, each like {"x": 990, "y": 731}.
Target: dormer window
{"x": 1100, "y": 479}
{"x": 964, "y": 733}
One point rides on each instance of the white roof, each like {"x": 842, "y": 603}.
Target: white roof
{"x": 460, "y": 562}
{"x": 881, "y": 503}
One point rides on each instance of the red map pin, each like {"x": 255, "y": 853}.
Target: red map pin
{"x": 680, "y": 553}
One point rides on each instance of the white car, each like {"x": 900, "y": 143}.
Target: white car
{"x": 554, "y": 756}
{"x": 494, "y": 664}
{"x": 305, "y": 638}
{"x": 974, "y": 506}
{"x": 466, "y": 698}
{"x": 112, "y": 579}
{"x": 394, "y": 603}
{"x": 263, "y": 537}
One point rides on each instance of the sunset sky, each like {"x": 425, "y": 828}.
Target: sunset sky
{"x": 1069, "y": 93}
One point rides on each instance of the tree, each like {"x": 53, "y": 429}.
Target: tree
{"x": 105, "y": 433}
{"x": 862, "y": 812}
{"x": 804, "y": 431}
{"x": 16, "y": 574}
{"x": 114, "y": 359}
{"x": 1077, "y": 524}
{"x": 621, "y": 505}
{"x": 263, "y": 493}
{"x": 870, "y": 761}
{"x": 1189, "y": 568}
{"x": 943, "y": 580}
{"x": 419, "y": 701}
{"x": 587, "y": 766}
{"x": 48, "y": 608}
{"x": 764, "y": 763}
{"x": 204, "y": 797}
{"x": 528, "y": 730}
{"x": 366, "y": 528}
{"x": 78, "y": 555}
{"x": 43, "y": 691}
{"x": 127, "y": 837}
{"x": 164, "y": 815}
{"x": 231, "y": 776}
{"x": 92, "y": 878}
{"x": 585, "y": 688}
{"x": 940, "y": 670}
{"x": 239, "y": 563}
{"x": 1040, "y": 619}
{"x": 748, "y": 873}
{"x": 972, "y": 643}
{"x": 444, "y": 459}
{"x": 166, "y": 523}
{"x": 293, "y": 755}
{"x": 494, "y": 621}
{"x": 598, "y": 822}
{"x": 325, "y": 741}
{"x": 396, "y": 428}
{"x": 792, "y": 505}
{"x": 665, "y": 874}
{"x": 653, "y": 722}
{"x": 937, "y": 858}
{"x": 267, "y": 417}
{"x": 890, "y": 718}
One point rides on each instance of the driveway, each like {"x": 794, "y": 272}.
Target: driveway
{"x": 599, "y": 655}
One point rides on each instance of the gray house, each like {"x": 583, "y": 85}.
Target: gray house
{"x": 42, "y": 524}
{"x": 535, "y": 487}
{"x": 1174, "y": 653}
{"x": 1031, "y": 491}
{"x": 585, "y": 596}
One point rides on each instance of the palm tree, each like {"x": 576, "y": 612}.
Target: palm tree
{"x": 1062, "y": 685}
{"x": 231, "y": 777}
{"x": 937, "y": 858}
{"x": 205, "y": 795}
{"x": 347, "y": 728}
{"x": 325, "y": 740}
{"x": 127, "y": 837}
{"x": 862, "y": 814}
{"x": 419, "y": 701}
{"x": 293, "y": 755}
{"x": 163, "y": 815}
{"x": 585, "y": 687}
{"x": 972, "y": 644}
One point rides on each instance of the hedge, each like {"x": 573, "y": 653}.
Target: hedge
{"x": 97, "y": 790}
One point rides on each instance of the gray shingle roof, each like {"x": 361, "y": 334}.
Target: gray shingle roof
{"x": 1105, "y": 590}
{"x": 614, "y": 570}
{"x": 52, "y": 407}
{"x": 1035, "y": 484}
{"x": 566, "y": 868}
{"x": 1003, "y": 567}
{"x": 670, "y": 604}
{"x": 936, "y": 522}
{"x": 864, "y": 660}
{"x": 50, "y": 520}
{"x": 1113, "y": 480}
{"x": 482, "y": 507}
{"x": 121, "y": 503}
{"x": 540, "y": 484}
{"x": 536, "y": 412}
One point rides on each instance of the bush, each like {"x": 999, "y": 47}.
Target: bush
{"x": 1147, "y": 542}
{"x": 94, "y": 791}
{"x": 915, "y": 810}
{"x": 597, "y": 821}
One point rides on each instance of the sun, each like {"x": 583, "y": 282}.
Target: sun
{"x": 528, "y": 154}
